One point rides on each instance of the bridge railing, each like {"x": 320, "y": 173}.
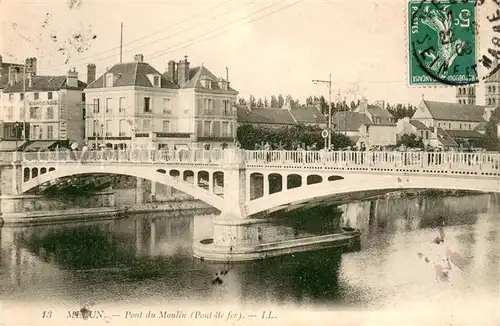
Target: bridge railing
{"x": 215, "y": 156}
{"x": 379, "y": 160}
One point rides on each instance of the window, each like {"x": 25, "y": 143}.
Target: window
{"x": 21, "y": 96}
{"x": 146, "y": 125}
{"x": 34, "y": 113}
{"x": 123, "y": 128}
{"x": 36, "y": 132}
{"x": 109, "y": 80}
{"x": 470, "y": 126}
{"x": 10, "y": 112}
{"x": 226, "y": 107}
{"x": 109, "y": 128}
{"x": 50, "y": 112}
{"x": 493, "y": 100}
{"x": 460, "y": 126}
{"x": 49, "y": 96}
{"x": 208, "y": 106}
{"x": 83, "y": 97}
{"x": 427, "y": 134}
{"x": 50, "y": 132}
{"x": 439, "y": 124}
{"x": 96, "y": 105}
{"x": 449, "y": 125}
{"x": 95, "y": 128}
{"x": 147, "y": 105}
{"x": 494, "y": 89}
{"x": 166, "y": 106}
{"x": 109, "y": 105}
{"x": 206, "y": 128}
{"x": 121, "y": 104}
{"x": 166, "y": 126}
{"x": 37, "y": 96}
{"x": 225, "y": 129}
{"x": 156, "y": 81}
{"x": 11, "y": 97}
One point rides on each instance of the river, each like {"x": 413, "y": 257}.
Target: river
{"x": 147, "y": 258}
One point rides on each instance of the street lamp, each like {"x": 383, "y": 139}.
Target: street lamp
{"x": 329, "y": 83}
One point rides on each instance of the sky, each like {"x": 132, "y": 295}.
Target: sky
{"x": 269, "y": 47}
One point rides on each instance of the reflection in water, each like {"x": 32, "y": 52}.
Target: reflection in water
{"x": 148, "y": 258}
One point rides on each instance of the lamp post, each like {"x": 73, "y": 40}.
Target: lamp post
{"x": 329, "y": 83}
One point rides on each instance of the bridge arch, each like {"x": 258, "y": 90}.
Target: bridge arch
{"x": 362, "y": 183}
{"x": 145, "y": 172}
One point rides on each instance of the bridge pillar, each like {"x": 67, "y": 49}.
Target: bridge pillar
{"x": 11, "y": 175}
{"x": 139, "y": 191}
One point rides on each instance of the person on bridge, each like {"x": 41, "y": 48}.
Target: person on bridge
{"x": 85, "y": 148}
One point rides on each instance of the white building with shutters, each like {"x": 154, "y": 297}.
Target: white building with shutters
{"x": 132, "y": 105}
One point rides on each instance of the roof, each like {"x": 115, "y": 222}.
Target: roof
{"x": 43, "y": 84}
{"x": 378, "y": 111}
{"x": 445, "y": 139}
{"x": 40, "y": 145}
{"x": 481, "y": 126}
{"x": 418, "y": 124}
{"x": 464, "y": 134}
{"x": 308, "y": 114}
{"x": 350, "y": 121}
{"x": 354, "y": 139}
{"x": 197, "y": 73}
{"x": 132, "y": 74}
{"x": 10, "y": 145}
{"x": 264, "y": 116}
{"x": 455, "y": 111}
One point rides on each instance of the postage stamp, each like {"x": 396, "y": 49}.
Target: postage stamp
{"x": 442, "y": 42}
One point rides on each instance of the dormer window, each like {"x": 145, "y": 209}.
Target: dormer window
{"x": 156, "y": 81}
{"x": 206, "y": 82}
{"x": 109, "y": 80}
{"x": 223, "y": 84}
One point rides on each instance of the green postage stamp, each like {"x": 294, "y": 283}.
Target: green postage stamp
{"x": 442, "y": 42}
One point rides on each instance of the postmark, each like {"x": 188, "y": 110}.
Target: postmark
{"x": 442, "y": 42}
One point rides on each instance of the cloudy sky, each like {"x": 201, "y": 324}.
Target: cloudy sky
{"x": 269, "y": 47}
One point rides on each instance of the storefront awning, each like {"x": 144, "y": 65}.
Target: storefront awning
{"x": 38, "y": 145}
{"x": 10, "y": 145}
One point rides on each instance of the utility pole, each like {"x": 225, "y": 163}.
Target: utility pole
{"x": 329, "y": 83}
{"x": 24, "y": 102}
{"x": 121, "y": 42}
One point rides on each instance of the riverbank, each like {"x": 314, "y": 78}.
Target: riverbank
{"x": 101, "y": 213}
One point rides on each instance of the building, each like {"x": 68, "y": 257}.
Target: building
{"x": 134, "y": 105}
{"x": 49, "y": 106}
{"x": 367, "y": 125}
{"x": 466, "y": 94}
{"x": 492, "y": 90}
{"x": 280, "y": 117}
{"x": 11, "y": 73}
{"x": 462, "y": 122}
{"x": 413, "y": 127}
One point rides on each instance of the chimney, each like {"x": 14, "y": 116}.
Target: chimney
{"x": 171, "y": 73}
{"x": 91, "y": 72}
{"x": 31, "y": 66}
{"x": 363, "y": 105}
{"x": 72, "y": 78}
{"x": 139, "y": 58}
{"x": 30, "y": 80}
{"x": 13, "y": 75}
{"x": 183, "y": 71}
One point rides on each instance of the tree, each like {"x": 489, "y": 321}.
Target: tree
{"x": 274, "y": 102}
{"x": 241, "y": 101}
{"x": 260, "y": 104}
{"x": 251, "y": 102}
{"x": 353, "y": 105}
{"x": 411, "y": 141}
{"x": 281, "y": 101}
{"x": 323, "y": 105}
{"x": 266, "y": 102}
{"x": 490, "y": 140}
